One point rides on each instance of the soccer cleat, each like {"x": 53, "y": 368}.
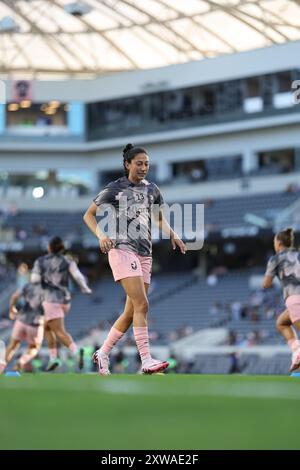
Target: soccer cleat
{"x": 17, "y": 367}
{"x": 53, "y": 364}
{"x": 81, "y": 359}
{"x": 102, "y": 360}
{"x": 152, "y": 366}
{"x": 295, "y": 360}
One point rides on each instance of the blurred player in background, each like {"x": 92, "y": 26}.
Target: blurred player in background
{"x": 129, "y": 255}
{"x": 285, "y": 264}
{"x": 2, "y": 356}
{"x": 53, "y": 271}
{"x": 26, "y": 309}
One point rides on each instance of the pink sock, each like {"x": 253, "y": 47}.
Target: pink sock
{"x": 142, "y": 341}
{"x": 113, "y": 337}
{"x": 27, "y": 357}
{"x": 53, "y": 353}
{"x": 293, "y": 344}
{"x": 2, "y": 367}
{"x": 73, "y": 348}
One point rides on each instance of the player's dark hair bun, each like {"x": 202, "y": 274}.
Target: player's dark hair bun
{"x": 286, "y": 237}
{"x": 56, "y": 245}
{"x": 289, "y": 230}
{"x": 126, "y": 148}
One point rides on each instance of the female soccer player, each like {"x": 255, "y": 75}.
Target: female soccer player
{"x": 285, "y": 264}
{"x": 29, "y": 323}
{"x": 131, "y": 199}
{"x": 53, "y": 272}
{"x": 2, "y": 356}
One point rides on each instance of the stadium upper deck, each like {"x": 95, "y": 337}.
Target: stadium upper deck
{"x": 203, "y": 96}
{"x": 231, "y": 119}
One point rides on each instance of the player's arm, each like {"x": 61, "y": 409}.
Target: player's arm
{"x": 271, "y": 272}
{"x": 267, "y": 282}
{"x": 165, "y": 227}
{"x": 12, "y": 304}
{"x": 79, "y": 278}
{"x": 90, "y": 220}
{"x": 36, "y": 276}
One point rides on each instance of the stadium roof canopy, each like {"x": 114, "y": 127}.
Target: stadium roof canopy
{"x": 71, "y": 38}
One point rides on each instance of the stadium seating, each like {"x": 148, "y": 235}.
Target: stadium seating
{"x": 219, "y": 214}
{"x": 181, "y": 304}
{"x": 108, "y": 299}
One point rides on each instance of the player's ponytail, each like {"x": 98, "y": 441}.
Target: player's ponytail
{"x": 129, "y": 152}
{"x": 56, "y": 245}
{"x": 286, "y": 237}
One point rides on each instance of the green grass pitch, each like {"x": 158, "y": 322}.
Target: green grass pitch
{"x": 149, "y": 412}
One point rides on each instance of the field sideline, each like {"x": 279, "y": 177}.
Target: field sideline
{"x": 149, "y": 412}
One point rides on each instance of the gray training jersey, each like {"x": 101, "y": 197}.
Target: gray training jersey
{"x": 53, "y": 270}
{"x": 132, "y": 205}
{"x": 31, "y": 311}
{"x": 286, "y": 266}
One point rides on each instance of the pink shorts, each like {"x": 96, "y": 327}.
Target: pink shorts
{"x": 293, "y": 306}
{"x": 32, "y": 334}
{"x": 128, "y": 264}
{"x": 53, "y": 311}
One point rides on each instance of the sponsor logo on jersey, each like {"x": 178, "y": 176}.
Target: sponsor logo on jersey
{"x": 119, "y": 195}
{"x": 139, "y": 197}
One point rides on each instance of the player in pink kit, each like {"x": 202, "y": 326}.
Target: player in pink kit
{"x": 29, "y": 323}
{"x": 131, "y": 199}
{"x": 285, "y": 264}
{"x": 53, "y": 271}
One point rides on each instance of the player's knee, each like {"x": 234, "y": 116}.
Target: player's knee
{"x": 279, "y": 324}
{"x": 141, "y": 305}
